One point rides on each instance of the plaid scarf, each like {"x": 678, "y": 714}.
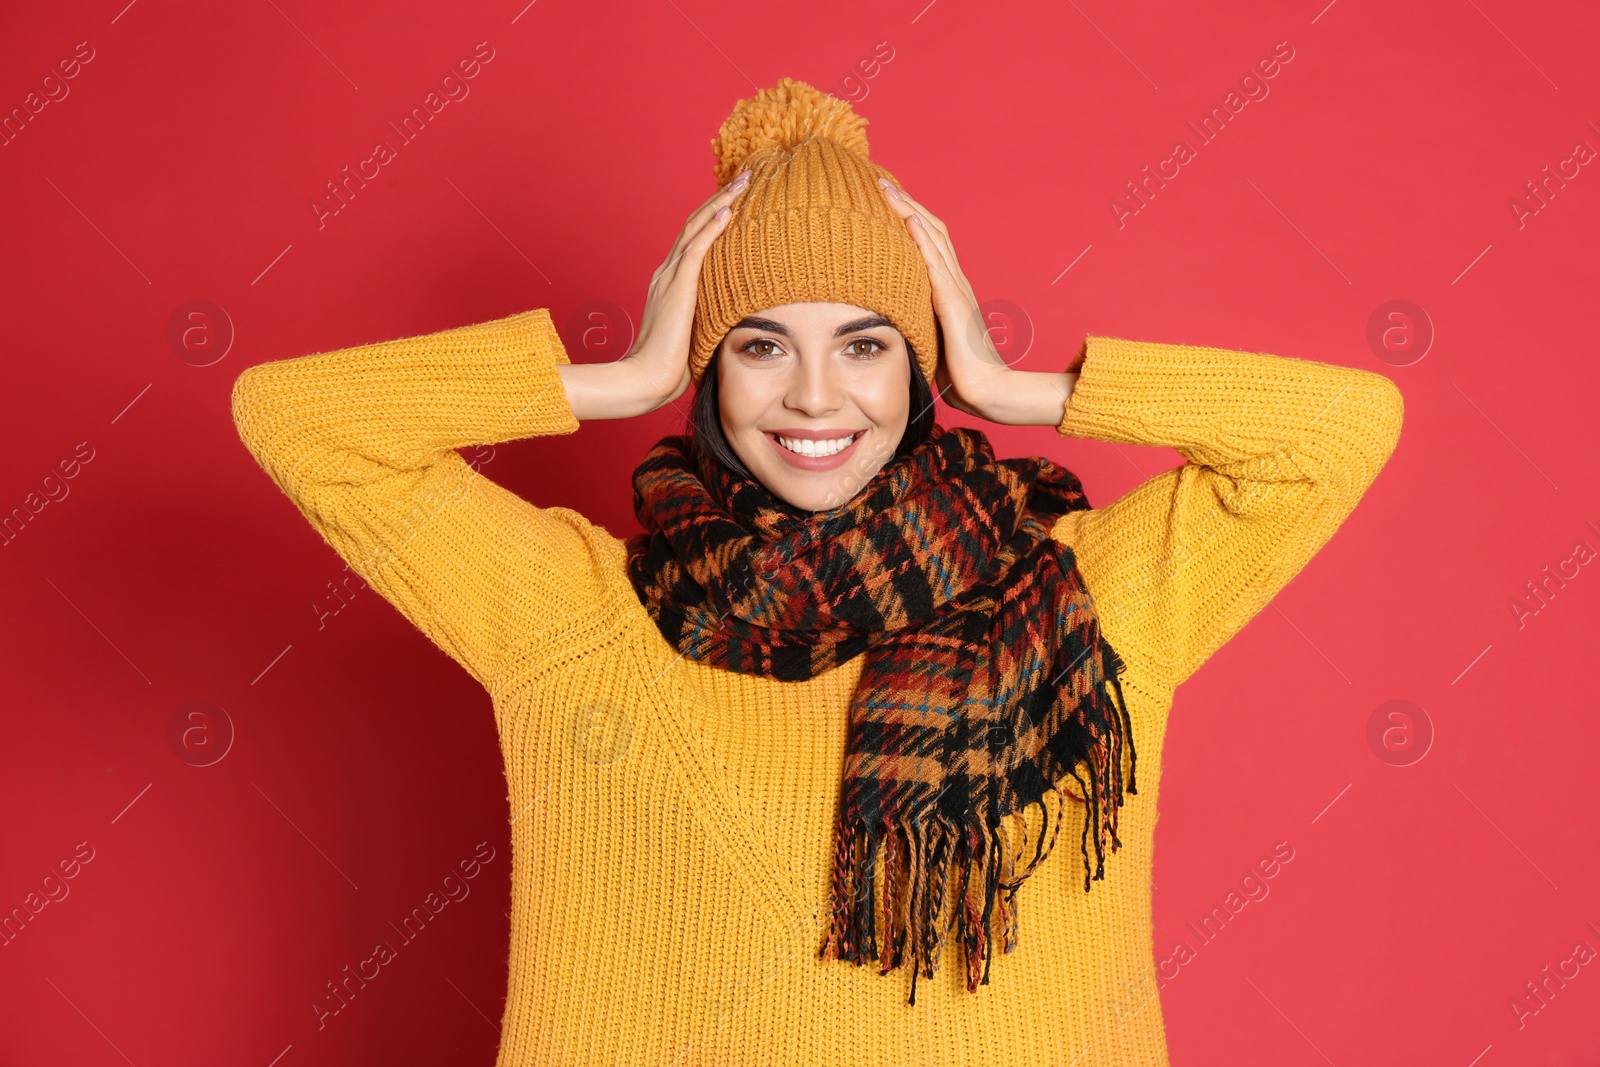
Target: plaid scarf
{"x": 987, "y": 681}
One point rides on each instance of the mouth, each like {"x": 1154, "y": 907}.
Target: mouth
{"x": 810, "y": 455}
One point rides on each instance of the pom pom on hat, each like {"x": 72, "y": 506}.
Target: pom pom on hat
{"x": 784, "y": 116}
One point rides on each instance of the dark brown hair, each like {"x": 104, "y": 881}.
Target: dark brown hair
{"x": 705, "y": 416}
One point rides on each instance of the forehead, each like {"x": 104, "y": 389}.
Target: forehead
{"x": 813, "y": 315}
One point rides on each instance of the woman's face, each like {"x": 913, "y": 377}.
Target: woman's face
{"x": 814, "y": 399}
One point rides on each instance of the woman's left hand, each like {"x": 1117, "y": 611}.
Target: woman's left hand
{"x": 972, "y": 376}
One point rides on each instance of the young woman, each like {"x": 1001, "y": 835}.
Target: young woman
{"x": 827, "y": 716}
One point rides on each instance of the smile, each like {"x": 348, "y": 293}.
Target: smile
{"x": 816, "y": 448}
{"x": 808, "y": 454}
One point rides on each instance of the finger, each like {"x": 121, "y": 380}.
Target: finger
{"x": 683, "y": 267}
{"x": 700, "y": 215}
{"x": 953, "y": 275}
{"x": 932, "y": 249}
{"x": 943, "y": 272}
{"x": 690, "y": 250}
{"x": 725, "y": 195}
{"x": 916, "y": 223}
{"x": 928, "y": 217}
{"x": 733, "y": 188}
{"x": 908, "y": 209}
{"x": 698, "y": 218}
{"x": 940, "y": 233}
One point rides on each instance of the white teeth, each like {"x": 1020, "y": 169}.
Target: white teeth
{"x": 807, "y": 447}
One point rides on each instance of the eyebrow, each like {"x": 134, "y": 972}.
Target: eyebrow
{"x": 754, "y": 322}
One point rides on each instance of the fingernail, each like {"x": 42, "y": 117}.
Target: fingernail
{"x": 722, "y": 213}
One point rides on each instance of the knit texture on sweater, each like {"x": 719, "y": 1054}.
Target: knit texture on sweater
{"x": 690, "y": 940}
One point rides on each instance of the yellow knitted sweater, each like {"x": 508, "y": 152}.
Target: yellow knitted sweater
{"x": 671, "y": 823}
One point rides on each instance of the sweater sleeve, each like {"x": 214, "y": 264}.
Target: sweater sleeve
{"x": 1279, "y": 451}
{"x": 363, "y": 441}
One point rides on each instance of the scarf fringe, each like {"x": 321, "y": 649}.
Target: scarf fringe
{"x": 918, "y": 860}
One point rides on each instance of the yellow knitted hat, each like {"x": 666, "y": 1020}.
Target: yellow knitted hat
{"x": 812, "y": 225}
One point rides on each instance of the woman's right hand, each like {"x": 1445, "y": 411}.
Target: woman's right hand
{"x": 655, "y": 371}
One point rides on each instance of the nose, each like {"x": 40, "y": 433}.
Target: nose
{"x": 816, "y": 387}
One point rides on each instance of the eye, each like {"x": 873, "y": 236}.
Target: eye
{"x": 876, "y": 346}
{"x": 750, "y": 347}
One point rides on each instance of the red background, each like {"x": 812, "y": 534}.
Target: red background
{"x": 364, "y": 767}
